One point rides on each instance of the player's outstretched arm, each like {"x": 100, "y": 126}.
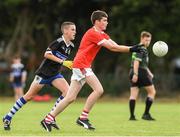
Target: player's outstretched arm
{"x": 113, "y": 46}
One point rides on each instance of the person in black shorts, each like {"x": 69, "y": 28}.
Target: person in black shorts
{"x": 48, "y": 72}
{"x": 141, "y": 76}
{"x": 17, "y": 77}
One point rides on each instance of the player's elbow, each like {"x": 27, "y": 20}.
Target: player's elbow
{"x": 46, "y": 55}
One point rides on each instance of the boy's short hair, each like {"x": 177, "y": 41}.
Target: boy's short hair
{"x": 145, "y": 34}
{"x": 65, "y": 24}
{"x": 98, "y": 15}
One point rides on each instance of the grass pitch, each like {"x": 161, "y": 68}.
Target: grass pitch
{"x": 109, "y": 117}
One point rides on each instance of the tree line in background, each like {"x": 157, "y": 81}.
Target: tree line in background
{"x": 27, "y": 27}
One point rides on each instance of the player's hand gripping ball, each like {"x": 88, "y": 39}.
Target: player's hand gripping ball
{"x": 160, "y": 48}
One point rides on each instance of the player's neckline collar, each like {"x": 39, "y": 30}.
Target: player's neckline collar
{"x": 97, "y": 30}
{"x": 65, "y": 41}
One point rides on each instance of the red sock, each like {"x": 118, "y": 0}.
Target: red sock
{"x": 84, "y": 115}
{"x": 49, "y": 118}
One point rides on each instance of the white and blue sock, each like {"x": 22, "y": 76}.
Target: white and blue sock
{"x": 57, "y": 101}
{"x": 19, "y": 103}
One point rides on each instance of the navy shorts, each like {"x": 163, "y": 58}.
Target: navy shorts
{"x": 17, "y": 85}
{"x": 47, "y": 81}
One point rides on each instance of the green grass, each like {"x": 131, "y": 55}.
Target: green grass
{"x": 109, "y": 117}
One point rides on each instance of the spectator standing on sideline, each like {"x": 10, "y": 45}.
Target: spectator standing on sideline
{"x": 18, "y": 76}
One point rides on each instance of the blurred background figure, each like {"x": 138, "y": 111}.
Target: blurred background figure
{"x": 176, "y": 73}
{"x": 141, "y": 76}
{"x": 18, "y": 76}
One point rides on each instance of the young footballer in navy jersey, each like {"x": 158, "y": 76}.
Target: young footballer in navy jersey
{"x": 48, "y": 72}
{"x": 141, "y": 76}
{"x": 17, "y": 77}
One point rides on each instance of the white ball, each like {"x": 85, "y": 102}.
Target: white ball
{"x": 160, "y": 48}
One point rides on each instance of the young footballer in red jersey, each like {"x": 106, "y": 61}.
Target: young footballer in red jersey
{"x": 93, "y": 40}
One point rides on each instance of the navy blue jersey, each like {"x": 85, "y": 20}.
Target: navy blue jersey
{"x": 58, "y": 48}
{"x": 17, "y": 71}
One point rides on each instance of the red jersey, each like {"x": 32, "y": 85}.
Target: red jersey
{"x": 89, "y": 47}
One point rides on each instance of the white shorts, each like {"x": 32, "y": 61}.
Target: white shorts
{"x": 81, "y": 74}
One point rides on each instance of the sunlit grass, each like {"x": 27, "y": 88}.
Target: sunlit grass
{"x": 109, "y": 117}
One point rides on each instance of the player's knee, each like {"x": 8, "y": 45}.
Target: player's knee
{"x": 100, "y": 91}
{"x": 154, "y": 93}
